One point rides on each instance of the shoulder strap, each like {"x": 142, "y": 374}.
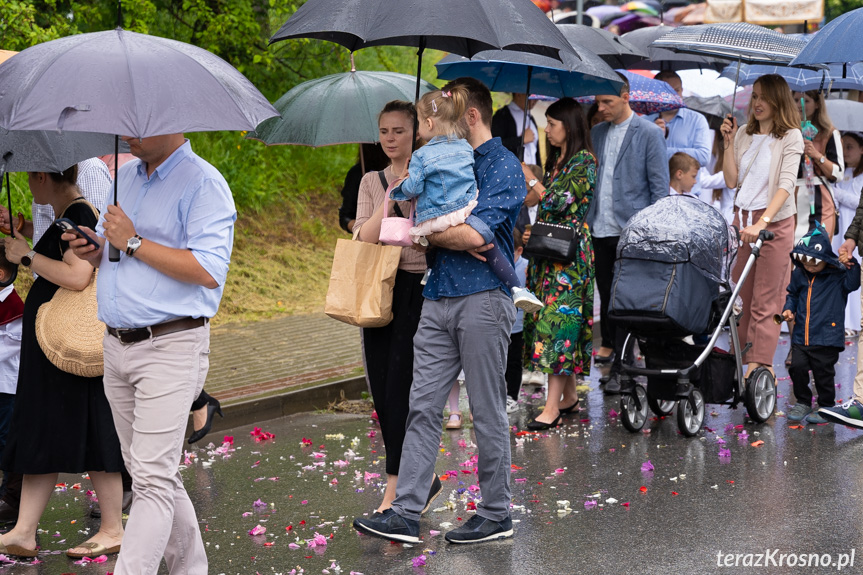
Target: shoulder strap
{"x": 752, "y": 161}
{"x": 79, "y": 201}
{"x": 383, "y": 179}
{"x": 384, "y": 183}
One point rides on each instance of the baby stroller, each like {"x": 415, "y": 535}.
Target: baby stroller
{"x": 672, "y": 284}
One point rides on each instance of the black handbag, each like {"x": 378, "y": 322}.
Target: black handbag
{"x": 554, "y": 242}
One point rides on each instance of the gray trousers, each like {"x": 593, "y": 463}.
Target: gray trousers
{"x": 470, "y": 333}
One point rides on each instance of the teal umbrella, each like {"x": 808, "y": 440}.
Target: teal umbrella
{"x": 336, "y": 109}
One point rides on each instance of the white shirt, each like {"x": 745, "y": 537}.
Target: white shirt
{"x": 518, "y": 116}
{"x": 753, "y": 194}
{"x": 10, "y": 349}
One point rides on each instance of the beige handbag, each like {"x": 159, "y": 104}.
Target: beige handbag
{"x": 361, "y": 283}
{"x": 69, "y": 331}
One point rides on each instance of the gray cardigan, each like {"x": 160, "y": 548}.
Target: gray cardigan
{"x": 640, "y": 174}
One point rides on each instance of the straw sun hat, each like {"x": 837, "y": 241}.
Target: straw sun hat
{"x": 69, "y": 333}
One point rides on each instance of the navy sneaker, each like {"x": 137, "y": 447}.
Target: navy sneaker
{"x": 479, "y": 529}
{"x": 849, "y": 413}
{"x": 391, "y": 526}
{"x": 434, "y": 491}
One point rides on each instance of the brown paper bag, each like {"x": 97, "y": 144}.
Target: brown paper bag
{"x": 361, "y": 283}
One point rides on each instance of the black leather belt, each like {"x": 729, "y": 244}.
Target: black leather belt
{"x": 136, "y": 334}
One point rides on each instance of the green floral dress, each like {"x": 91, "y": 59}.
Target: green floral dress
{"x": 559, "y": 338}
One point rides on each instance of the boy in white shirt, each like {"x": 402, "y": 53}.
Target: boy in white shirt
{"x": 683, "y": 170}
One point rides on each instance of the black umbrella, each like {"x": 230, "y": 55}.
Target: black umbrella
{"x": 455, "y": 26}
{"x": 662, "y": 59}
{"x": 613, "y": 49}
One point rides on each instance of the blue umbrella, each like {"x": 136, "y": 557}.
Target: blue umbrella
{"x": 837, "y": 43}
{"x": 525, "y": 73}
{"x": 801, "y": 79}
{"x": 521, "y": 73}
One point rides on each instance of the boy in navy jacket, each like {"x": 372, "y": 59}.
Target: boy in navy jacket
{"x": 819, "y": 288}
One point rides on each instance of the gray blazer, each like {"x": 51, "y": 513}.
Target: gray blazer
{"x": 641, "y": 172}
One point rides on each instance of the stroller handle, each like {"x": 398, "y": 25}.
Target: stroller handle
{"x": 765, "y": 235}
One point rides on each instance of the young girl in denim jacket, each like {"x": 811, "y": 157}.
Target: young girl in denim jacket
{"x": 440, "y": 176}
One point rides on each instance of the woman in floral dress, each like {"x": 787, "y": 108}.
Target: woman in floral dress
{"x": 558, "y": 339}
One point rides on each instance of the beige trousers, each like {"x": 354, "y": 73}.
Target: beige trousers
{"x": 150, "y": 386}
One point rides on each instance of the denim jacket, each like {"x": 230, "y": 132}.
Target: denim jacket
{"x": 440, "y": 177}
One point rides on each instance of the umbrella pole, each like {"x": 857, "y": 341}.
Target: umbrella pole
{"x": 422, "y": 47}
{"x": 14, "y": 275}
{"x": 362, "y": 161}
{"x": 114, "y": 253}
{"x": 526, "y": 111}
{"x": 734, "y": 93}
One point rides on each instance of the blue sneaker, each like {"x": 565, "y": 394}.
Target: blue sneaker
{"x": 815, "y": 418}
{"x": 389, "y": 525}
{"x": 479, "y": 529}
{"x": 798, "y": 412}
{"x": 849, "y": 413}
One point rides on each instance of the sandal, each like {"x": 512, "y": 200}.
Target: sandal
{"x": 571, "y": 409}
{"x": 95, "y": 550}
{"x": 454, "y": 421}
{"x": 17, "y": 551}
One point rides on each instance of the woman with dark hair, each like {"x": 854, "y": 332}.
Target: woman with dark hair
{"x": 825, "y": 153}
{"x": 558, "y": 340}
{"x": 761, "y": 160}
{"x": 388, "y": 350}
{"x": 61, "y": 422}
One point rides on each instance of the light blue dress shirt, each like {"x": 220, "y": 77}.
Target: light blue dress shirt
{"x": 605, "y": 225}
{"x": 688, "y": 132}
{"x": 185, "y": 204}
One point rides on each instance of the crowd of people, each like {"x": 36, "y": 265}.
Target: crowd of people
{"x": 601, "y": 167}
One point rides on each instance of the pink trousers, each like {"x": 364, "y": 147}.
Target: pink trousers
{"x": 763, "y": 292}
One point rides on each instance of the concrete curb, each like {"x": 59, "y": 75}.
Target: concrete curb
{"x": 288, "y": 403}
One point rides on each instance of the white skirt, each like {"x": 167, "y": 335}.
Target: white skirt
{"x": 441, "y": 223}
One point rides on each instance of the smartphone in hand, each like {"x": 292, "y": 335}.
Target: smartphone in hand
{"x": 67, "y": 225}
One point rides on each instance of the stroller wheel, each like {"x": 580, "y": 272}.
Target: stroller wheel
{"x": 689, "y": 419}
{"x": 633, "y": 409}
{"x": 660, "y": 407}
{"x": 760, "y": 395}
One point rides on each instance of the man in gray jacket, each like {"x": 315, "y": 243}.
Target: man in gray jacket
{"x": 633, "y": 174}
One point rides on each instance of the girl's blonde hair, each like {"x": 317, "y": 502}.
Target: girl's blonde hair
{"x": 786, "y": 114}
{"x": 446, "y": 108}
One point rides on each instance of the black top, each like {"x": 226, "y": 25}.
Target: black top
{"x": 503, "y": 127}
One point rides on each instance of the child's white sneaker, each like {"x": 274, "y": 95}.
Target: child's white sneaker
{"x": 524, "y": 299}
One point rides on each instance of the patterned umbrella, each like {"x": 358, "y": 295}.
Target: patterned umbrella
{"x": 741, "y": 42}
{"x": 660, "y": 59}
{"x": 835, "y": 76}
{"x": 647, "y": 96}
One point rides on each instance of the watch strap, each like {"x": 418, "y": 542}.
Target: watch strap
{"x": 131, "y": 251}
{"x": 27, "y": 260}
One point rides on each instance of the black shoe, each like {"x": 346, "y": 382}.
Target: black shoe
{"x": 96, "y": 510}
{"x": 213, "y": 407}
{"x": 479, "y": 529}
{"x": 540, "y": 425}
{"x": 8, "y": 513}
{"x": 612, "y": 385}
{"x": 601, "y": 359}
{"x": 788, "y": 359}
{"x": 391, "y": 526}
{"x": 436, "y": 489}
{"x": 571, "y": 409}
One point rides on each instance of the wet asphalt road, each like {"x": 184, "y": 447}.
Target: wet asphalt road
{"x": 799, "y": 492}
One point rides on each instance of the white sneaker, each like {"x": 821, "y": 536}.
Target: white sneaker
{"x": 524, "y": 299}
{"x": 536, "y": 378}
{"x": 511, "y": 405}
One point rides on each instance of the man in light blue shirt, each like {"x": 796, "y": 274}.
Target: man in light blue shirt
{"x": 174, "y": 227}
{"x": 685, "y": 130}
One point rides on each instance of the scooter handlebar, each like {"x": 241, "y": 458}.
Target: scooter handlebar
{"x": 765, "y": 235}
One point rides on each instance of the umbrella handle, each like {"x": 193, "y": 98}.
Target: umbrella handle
{"x": 6, "y": 230}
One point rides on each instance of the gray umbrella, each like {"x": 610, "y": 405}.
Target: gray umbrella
{"x": 613, "y": 49}
{"x": 48, "y": 151}
{"x": 121, "y": 82}
{"x": 662, "y": 59}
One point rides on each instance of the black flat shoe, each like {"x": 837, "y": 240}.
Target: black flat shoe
{"x": 600, "y": 359}
{"x": 213, "y": 407}
{"x": 540, "y": 426}
{"x": 571, "y": 409}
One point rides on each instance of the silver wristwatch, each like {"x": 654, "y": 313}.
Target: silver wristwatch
{"x": 27, "y": 260}
{"x": 132, "y": 245}
{"x": 532, "y": 183}
{"x": 823, "y": 158}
